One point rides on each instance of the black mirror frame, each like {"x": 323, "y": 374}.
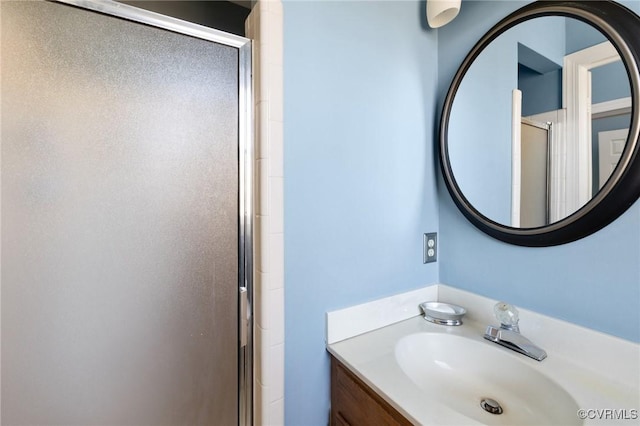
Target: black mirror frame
{"x": 621, "y": 26}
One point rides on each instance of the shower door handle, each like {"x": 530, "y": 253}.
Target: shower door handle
{"x": 244, "y": 317}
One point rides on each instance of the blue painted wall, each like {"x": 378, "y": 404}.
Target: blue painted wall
{"x": 360, "y": 186}
{"x": 575, "y": 281}
{"x": 540, "y": 92}
{"x": 580, "y": 35}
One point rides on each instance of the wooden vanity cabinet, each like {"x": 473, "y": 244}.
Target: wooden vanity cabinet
{"x": 353, "y": 403}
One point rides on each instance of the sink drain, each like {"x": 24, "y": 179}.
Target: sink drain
{"x": 491, "y": 406}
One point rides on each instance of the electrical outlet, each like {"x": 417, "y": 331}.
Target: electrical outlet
{"x": 430, "y": 247}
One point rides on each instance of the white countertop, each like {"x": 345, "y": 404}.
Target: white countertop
{"x": 599, "y": 371}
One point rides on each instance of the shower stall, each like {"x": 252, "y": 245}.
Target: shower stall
{"x": 125, "y": 218}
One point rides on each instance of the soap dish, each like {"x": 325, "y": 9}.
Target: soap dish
{"x": 443, "y": 313}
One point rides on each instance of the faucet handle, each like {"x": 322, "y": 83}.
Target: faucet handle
{"x": 507, "y": 315}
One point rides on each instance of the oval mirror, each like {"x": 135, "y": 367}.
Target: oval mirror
{"x": 539, "y": 133}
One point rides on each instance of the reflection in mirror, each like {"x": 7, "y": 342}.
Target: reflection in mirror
{"x": 611, "y": 119}
{"x": 539, "y": 121}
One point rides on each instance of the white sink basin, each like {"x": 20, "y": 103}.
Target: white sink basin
{"x": 436, "y": 375}
{"x": 459, "y": 372}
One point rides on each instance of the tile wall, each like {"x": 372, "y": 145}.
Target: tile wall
{"x": 264, "y": 27}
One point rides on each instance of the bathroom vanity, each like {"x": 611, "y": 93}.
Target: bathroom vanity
{"x": 415, "y": 372}
{"x": 355, "y": 403}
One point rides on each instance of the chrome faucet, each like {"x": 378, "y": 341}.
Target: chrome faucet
{"x": 508, "y": 335}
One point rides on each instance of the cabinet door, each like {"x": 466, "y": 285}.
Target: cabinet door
{"x": 354, "y": 403}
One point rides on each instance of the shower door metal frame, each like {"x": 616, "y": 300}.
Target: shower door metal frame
{"x": 245, "y": 167}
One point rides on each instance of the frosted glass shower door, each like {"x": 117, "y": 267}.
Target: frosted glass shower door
{"x": 119, "y": 222}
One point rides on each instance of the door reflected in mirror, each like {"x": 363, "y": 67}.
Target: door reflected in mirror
{"x": 539, "y": 122}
